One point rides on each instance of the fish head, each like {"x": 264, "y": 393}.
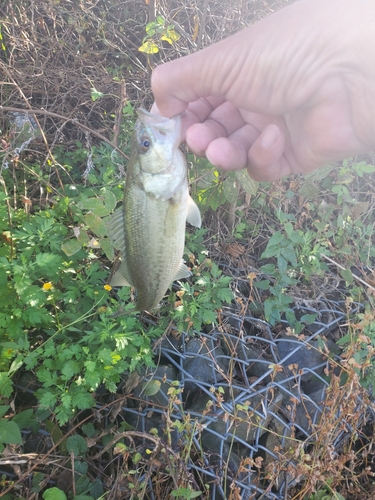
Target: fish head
{"x": 156, "y": 140}
{"x": 160, "y": 167}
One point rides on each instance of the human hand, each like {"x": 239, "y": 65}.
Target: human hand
{"x": 286, "y": 95}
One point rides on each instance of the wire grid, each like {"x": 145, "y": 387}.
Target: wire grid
{"x": 263, "y": 395}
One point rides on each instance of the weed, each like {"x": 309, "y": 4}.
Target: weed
{"x": 156, "y": 32}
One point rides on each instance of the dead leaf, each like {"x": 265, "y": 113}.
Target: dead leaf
{"x": 132, "y": 381}
{"x": 235, "y": 250}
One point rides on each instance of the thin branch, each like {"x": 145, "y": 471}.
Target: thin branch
{"x": 61, "y": 117}
{"x": 344, "y": 269}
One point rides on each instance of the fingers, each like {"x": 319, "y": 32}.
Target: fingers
{"x": 232, "y": 140}
{"x": 265, "y": 158}
{"x": 211, "y": 124}
{"x": 225, "y": 151}
{"x": 261, "y": 154}
{"x": 174, "y": 84}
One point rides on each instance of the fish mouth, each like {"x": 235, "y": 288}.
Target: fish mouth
{"x": 160, "y": 126}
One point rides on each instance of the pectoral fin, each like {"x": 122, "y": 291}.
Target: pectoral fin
{"x": 193, "y": 215}
{"x": 183, "y": 272}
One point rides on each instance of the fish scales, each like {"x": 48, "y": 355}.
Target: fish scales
{"x": 149, "y": 230}
{"x": 154, "y": 236}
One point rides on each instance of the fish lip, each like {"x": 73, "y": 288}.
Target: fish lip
{"x": 164, "y": 126}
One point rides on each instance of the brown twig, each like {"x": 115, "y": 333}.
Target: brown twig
{"x": 344, "y": 269}
{"x": 118, "y": 117}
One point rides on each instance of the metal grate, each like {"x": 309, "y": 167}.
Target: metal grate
{"x": 262, "y": 390}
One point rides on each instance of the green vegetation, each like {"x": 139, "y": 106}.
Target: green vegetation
{"x": 68, "y": 340}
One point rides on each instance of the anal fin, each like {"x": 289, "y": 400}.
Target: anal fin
{"x": 120, "y": 278}
{"x": 193, "y": 215}
{"x": 182, "y": 272}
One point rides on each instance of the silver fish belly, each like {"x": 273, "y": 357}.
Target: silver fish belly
{"x": 149, "y": 229}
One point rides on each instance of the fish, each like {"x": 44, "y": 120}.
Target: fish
{"x": 149, "y": 228}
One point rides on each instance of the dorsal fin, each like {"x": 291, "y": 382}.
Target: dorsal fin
{"x": 116, "y": 230}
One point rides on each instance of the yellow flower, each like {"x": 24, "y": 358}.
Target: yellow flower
{"x": 108, "y": 288}
{"x": 47, "y": 286}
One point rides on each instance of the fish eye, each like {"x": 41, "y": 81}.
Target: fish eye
{"x": 145, "y": 143}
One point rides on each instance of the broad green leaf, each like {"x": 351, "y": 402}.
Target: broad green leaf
{"x": 83, "y": 400}
{"x": 96, "y": 224}
{"x": 288, "y": 228}
{"x": 95, "y": 205}
{"x": 152, "y": 387}
{"x": 3, "y": 410}
{"x": 25, "y": 419}
{"x": 230, "y": 189}
{"x": 273, "y": 245}
{"x": 96, "y": 488}
{"x": 71, "y": 247}
{"x": 309, "y": 190}
{"x": 48, "y": 261}
{"x": 82, "y": 485}
{"x": 76, "y": 444}
{"x": 296, "y": 238}
{"x": 320, "y": 173}
{"x": 262, "y": 284}
{"x": 80, "y": 467}
{"x": 95, "y": 94}
{"x": 206, "y": 179}
{"x": 16, "y": 365}
{"x": 289, "y": 255}
{"x": 225, "y": 295}
{"x": 149, "y": 48}
{"x": 208, "y": 316}
{"x": 89, "y": 430}
{"x": 347, "y": 275}
{"x": 83, "y": 237}
{"x": 107, "y": 247}
{"x": 54, "y": 494}
{"x": 267, "y": 269}
{"x": 10, "y": 432}
{"x": 6, "y": 386}
{"x": 186, "y": 493}
{"x": 247, "y": 183}
{"x": 282, "y": 264}
{"x": 364, "y": 168}
{"x": 110, "y": 200}
{"x": 170, "y": 36}
{"x": 70, "y": 368}
{"x": 308, "y": 318}
{"x": 56, "y": 434}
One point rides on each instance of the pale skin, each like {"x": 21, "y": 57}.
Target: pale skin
{"x": 287, "y": 95}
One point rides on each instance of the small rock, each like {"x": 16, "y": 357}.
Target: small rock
{"x": 306, "y": 356}
{"x": 243, "y": 424}
{"x": 205, "y": 362}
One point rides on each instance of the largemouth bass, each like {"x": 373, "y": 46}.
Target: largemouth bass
{"x": 149, "y": 229}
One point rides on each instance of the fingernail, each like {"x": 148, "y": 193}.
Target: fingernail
{"x": 270, "y": 136}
